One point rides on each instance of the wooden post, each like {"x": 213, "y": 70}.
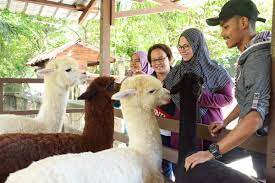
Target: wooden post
{"x": 105, "y": 30}
{"x": 271, "y": 134}
{"x": 1, "y": 97}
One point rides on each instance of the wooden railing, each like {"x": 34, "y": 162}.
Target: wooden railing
{"x": 20, "y": 81}
{"x": 254, "y": 143}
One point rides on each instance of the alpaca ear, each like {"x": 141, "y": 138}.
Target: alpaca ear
{"x": 44, "y": 72}
{"x": 87, "y": 95}
{"x": 123, "y": 94}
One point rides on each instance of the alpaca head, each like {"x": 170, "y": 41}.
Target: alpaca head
{"x": 101, "y": 86}
{"x": 64, "y": 72}
{"x": 142, "y": 91}
{"x": 189, "y": 82}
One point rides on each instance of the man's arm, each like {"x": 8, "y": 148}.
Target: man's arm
{"x": 246, "y": 127}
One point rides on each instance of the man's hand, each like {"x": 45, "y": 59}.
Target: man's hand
{"x": 197, "y": 158}
{"x": 215, "y": 128}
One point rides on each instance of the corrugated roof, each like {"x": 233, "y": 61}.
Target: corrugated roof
{"x": 51, "y": 8}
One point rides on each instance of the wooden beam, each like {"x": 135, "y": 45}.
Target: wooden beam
{"x": 86, "y": 11}
{"x": 1, "y": 97}
{"x": 29, "y": 112}
{"x": 21, "y": 80}
{"x": 105, "y": 31}
{"x": 52, "y": 4}
{"x": 173, "y": 4}
{"x": 271, "y": 135}
{"x": 254, "y": 143}
{"x": 113, "y": 10}
{"x": 157, "y": 9}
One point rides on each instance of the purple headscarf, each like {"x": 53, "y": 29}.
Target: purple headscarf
{"x": 145, "y": 66}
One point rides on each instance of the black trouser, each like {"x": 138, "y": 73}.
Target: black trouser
{"x": 258, "y": 160}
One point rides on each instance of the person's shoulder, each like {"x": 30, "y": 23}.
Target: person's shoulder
{"x": 257, "y": 52}
{"x": 260, "y": 50}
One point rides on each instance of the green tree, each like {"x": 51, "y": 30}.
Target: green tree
{"x": 31, "y": 35}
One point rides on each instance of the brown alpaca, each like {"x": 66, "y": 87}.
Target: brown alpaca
{"x": 189, "y": 88}
{"x": 17, "y": 151}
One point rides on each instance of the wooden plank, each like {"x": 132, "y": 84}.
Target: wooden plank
{"x": 29, "y": 112}
{"x": 172, "y": 4}
{"x": 254, "y": 143}
{"x": 113, "y": 10}
{"x": 86, "y": 11}
{"x": 121, "y": 137}
{"x": 145, "y": 11}
{"x": 105, "y": 31}
{"x": 271, "y": 135}
{"x": 52, "y": 4}
{"x": 1, "y": 97}
{"x": 168, "y": 153}
{"x": 21, "y": 80}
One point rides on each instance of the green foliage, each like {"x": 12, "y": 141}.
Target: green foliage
{"x": 22, "y": 36}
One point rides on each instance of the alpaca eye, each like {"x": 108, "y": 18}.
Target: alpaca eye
{"x": 68, "y": 70}
{"x": 152, "y": 91}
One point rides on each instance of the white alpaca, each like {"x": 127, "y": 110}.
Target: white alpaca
{"x": 59, "y": 76}
{"x": 139, "y": 163}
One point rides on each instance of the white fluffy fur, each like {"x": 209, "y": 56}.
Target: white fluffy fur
{"x": 140, "y": 163}
{"x": 59, "y": 76}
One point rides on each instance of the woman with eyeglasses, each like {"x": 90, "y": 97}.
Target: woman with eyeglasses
{"x": 217, "y": 87}
{"x": 160, "y": 58}
{"x": 139, "y": 64}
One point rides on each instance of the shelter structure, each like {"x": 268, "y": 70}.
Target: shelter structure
{"x": 85, "y": 54}
{"x": 81, "y": 10}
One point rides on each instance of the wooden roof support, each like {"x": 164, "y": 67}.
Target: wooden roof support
{"x": 105, "y": 31}
{"x": 86, "y": 11}
{"x": 1, "y": 97}
{"x": 173, "y": 4}
{"x": 113, "y": 10}
{"x": 52, "y": 4}
{"x": 157, "y": 9}
{"x": 271, "y": 134}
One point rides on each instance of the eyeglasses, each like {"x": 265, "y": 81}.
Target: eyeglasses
{"x": 135, "y": 60}
{"x": 160, "y": 60}
{"x": 185, "y": 47}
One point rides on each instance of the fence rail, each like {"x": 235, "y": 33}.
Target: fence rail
{"x": 254, "y": 143}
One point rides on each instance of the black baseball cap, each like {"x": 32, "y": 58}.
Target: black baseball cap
{"x": 236, "y": 7}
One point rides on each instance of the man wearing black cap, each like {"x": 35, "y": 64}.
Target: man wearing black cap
{"x": 237, "y": 20}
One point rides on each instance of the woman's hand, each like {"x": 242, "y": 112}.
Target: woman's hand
{"x": 215, "y": 128}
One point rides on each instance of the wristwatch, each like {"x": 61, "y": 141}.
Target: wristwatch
{"x": 214, "y": 150}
